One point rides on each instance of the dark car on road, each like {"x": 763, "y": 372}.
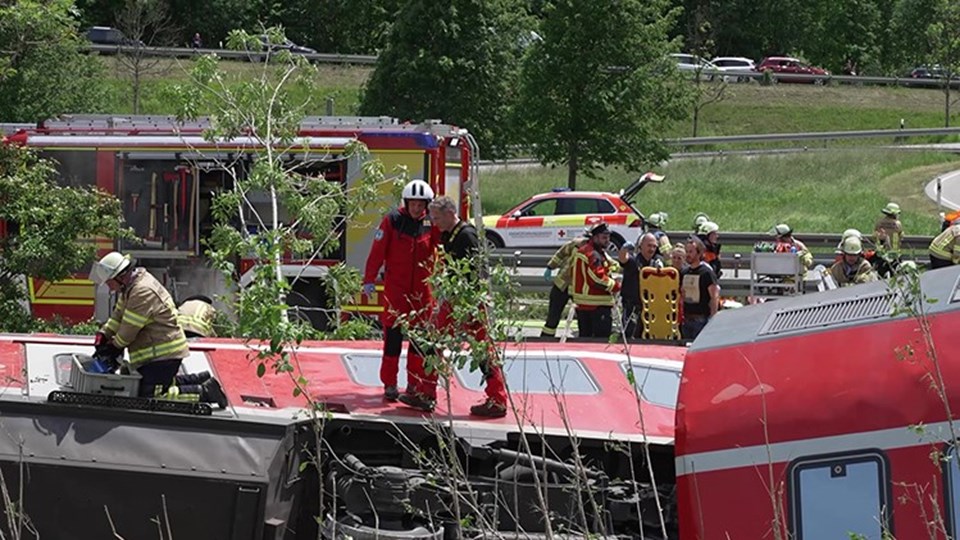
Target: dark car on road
{"x": 931, "y": 77}
{"x": 105, "y": 35}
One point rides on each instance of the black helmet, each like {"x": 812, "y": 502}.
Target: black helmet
{"x": 599, "y": 228}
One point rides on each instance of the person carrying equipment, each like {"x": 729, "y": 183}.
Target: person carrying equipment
{"x": 144, "y": 322}
{"x": 404, "y": 245}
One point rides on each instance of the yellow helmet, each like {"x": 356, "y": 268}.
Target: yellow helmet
{"x": 110, "y": 266}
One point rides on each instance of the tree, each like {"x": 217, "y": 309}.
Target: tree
{"x": 588, "y": 102}
{"x": 44, "y": 72}
{"x": 706, "y": 89}
{"x": 945, "y": 47}
{"x": 460, "y": 67}
{"x": 264, "y": 109}
{"x": 48, "y": 225}
{"x": 145, "y": 23}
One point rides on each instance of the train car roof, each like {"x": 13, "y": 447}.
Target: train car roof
{"x": 586, "y": 383}
{"x": 818, "y": 312}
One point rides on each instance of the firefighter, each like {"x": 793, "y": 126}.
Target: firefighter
{"x": 888, "y": 232}
{"x": 786, "y": 243}
{"x": 196, "y": 315}
{"x": 699, "y": 220}
{"x": 709, "y": 234}
{"x": 945, "y": 249}
{"x": 460, "y": 242}
{"x": 404, "y": 246}
{"x": 559, "y": 292}
{"x": 852, "y": 268}
{"x": 655, "y": 225}
{"x": 593, "y": 286}
{"x": 144, "y": 322}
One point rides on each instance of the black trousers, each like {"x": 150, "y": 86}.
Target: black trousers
{"x": 157, "y": 376}
{"x": 597, "y": 322}
{"x": 558, "y": 301}
{"x": 937, "y": 262}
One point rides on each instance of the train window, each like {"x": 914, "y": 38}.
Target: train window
{"x": 839, "y": 497}
{"x": 538, "y": 375}
{"x": 656, "y": 385}
{"x": 364, "y": 369}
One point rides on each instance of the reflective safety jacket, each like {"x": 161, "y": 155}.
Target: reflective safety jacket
{"x": 144, "y": 322}
{"x": 844, "y": 275}
{"x": 795, "y": 246}
{"x": 405, "y": 246}
{"x": 197, "y": 316}
{"x": 888, "y": 232}
{"x": 593, "y": 284}
{"x": 945, "y": 245}
{"x": 663, "y": 241}
{"x": 563, "y": 259}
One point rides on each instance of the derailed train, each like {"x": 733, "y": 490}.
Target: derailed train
{"x": 814, "y": 417}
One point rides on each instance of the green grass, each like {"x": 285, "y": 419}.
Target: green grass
{"x": 824, "y": 192}
{"x": 342, "y": 83}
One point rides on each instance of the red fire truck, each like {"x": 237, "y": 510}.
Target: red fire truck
{"x": 165, "y": 174}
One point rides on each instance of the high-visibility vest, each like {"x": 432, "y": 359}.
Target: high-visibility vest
{"x": 197, "y": 316}
{"x": 593, "y": 284}
{"x": 945, "y": 247}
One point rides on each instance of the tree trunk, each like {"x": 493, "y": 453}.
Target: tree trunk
{"x": 696, "y": 118}
{"x": 572, "y": 167}
{"x": 946, "y": 104}
{"x": 136, "y": 89}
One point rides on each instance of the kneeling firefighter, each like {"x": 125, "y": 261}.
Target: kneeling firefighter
{"x": 144, "y": 322}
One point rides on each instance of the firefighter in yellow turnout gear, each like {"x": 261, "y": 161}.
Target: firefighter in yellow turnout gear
{"x": 196, "y": 315}
{"x": 144, "y": 322}
{"x": 559, "y": 293}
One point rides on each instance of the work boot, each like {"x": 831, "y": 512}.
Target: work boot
{"x": 489, "y": 409}
{"x": 417, "y": 401}
{"x": 390, "y": 393}
{"x": 212, "y": 392}
{"x": 193, "y": 378}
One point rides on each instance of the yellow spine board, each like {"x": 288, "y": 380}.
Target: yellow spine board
{"x": 660, "y": 303}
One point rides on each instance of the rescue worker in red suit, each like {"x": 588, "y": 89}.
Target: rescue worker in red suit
{"x": 460, "y": 241}
{"x": 404, "y": 246}
{"x": 593, "y": 287}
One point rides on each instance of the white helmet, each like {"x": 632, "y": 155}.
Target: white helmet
{"x": 708, "y": 227}
{"x": 110, "y": 266}
{"x": 417, "y": 190}
{"x": 852, "y": 246}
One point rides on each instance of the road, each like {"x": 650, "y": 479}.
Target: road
{"x": 949, "y": 186}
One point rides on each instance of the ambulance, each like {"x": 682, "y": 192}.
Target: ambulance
{"x": 549, "y": 220}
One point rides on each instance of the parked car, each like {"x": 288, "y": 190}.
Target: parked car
{"x": 736, "y": 64}
{"x": 794, "y": 67}
{"x": 932, "y": 77}
{"x": 689, "y": 64}
{"x": 105, "y": 35}
{"x": 550, "y": 219}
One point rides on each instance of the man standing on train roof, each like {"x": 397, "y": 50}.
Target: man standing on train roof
{"x": 461, "y": 242}
{"x": 404, "y": 246}
{"x": 144, "y": 322}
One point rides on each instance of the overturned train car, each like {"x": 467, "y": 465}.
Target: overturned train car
{"x": 248, "y": 472}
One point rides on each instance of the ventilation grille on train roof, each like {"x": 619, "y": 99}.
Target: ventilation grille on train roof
{"x": 861, "y": 308}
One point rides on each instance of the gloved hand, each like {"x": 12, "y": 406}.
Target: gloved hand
{"x": 369, "y": 289}
{"x": 548, "y": 275}
{"x": 99, "y": 338}
{"x": 106, "y": 349}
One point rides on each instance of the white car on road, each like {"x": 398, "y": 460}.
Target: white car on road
{"x": 739, "y": 66}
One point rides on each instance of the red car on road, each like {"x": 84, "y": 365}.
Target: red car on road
{"x": 794, "y": 69}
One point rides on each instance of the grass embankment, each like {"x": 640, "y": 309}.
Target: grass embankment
{"x": 824, "y": 192}
{"x": 747, "y": 108}
{"x": 341, "y": 83}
